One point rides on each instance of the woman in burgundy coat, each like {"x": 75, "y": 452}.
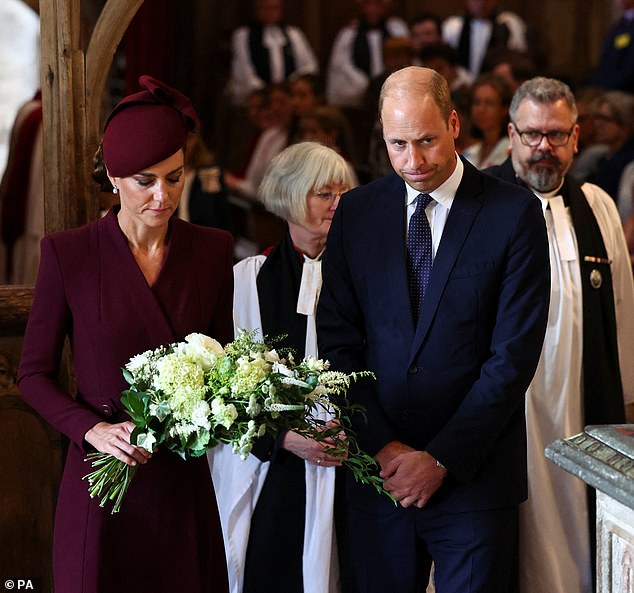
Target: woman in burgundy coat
{"x": 136, "y": 279}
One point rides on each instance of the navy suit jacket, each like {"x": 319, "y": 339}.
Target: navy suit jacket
{"x": 454, "y": 384}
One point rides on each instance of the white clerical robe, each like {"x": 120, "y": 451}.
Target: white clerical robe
{"x": 554, "y": 536}
{"x": 238, "y": 483}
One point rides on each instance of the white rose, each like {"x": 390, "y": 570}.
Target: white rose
{"x": 271, "y": 356}
{"x": 203, "y": 350}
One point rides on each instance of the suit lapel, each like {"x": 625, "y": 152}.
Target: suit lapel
{"x": 393, "y": 256}
{"x": 463, "y": 212}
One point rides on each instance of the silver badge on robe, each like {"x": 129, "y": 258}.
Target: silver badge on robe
{"x": 596, "y": 279}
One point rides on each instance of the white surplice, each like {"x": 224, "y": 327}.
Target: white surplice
{"x": 238, "y": 483}
{"x": 554, "y": 534}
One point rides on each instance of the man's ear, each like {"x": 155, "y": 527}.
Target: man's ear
{"x": 454, "y": 123}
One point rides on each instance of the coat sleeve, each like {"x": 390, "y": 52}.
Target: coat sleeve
{"x": 49, "y": 324}
{"x": 342, "y": 339}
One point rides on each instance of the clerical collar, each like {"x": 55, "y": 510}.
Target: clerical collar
{"x": 550, "y": 193}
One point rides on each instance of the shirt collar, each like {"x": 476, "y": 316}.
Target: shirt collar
{"x": 443, "y": 194}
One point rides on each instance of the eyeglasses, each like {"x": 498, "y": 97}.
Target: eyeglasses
{"x": 330, "y": 195}
{"x": 533, "y": 138}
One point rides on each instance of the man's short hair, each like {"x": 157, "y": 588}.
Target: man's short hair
{"x": 543, "y": 90}
{"x": 436, "y": 87}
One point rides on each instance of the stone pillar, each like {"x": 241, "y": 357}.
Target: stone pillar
{"x": 603, "y": 457}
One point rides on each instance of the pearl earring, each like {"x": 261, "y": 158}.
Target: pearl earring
{"x": 115, "y": 190}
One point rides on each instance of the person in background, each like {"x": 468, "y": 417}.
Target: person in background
{"x": 397, "y": 54}
{"x": 285, "y": 487}
{"x": 587, "y": 101}
{"x": 513, "y": 66}
{"x": 22, "y": 197}
{"x": 275, "y": 115}
{"x": 307, "y": 93}
{"x": 357, "y": 52}
{"x": 585, "y": 370}
{"x": 204, "y": 200}
{"x": 136, "y": 279}
{"x": 443, "y": 58}
{"x": 614, "y": 124}
{"x": 481, "y": 28}
{"x": 328, "y": 126}
{"x": 267, "y": 51}
{"x": 590, "y": 151}
{"x": 615, "y": 70}
{"x": 424, "y": 29}
{"x": 436, "y": 279}
{"x": 490, "y": 100}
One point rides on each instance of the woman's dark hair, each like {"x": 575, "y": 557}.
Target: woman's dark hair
{"x": 99, "y": 173}
{"x": 502, "y": 88}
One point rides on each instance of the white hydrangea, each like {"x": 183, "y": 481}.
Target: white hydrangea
{"x": 200, "y": 415}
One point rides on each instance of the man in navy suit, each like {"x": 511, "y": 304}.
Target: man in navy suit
{"x": 453, "y": 351}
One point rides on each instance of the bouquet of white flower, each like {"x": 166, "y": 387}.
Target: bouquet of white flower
{"x": 192, "y": 395}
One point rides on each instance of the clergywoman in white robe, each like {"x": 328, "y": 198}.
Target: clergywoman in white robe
{"x": 287, "y": 485}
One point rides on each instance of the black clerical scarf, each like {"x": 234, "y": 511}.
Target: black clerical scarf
{"x": 278, "y": 285}
{"x": 602, "y": 388}
{"x": 274, "y": 563}
{"x": 499, "y": 38}
{"x": 261, "y": 55}
{"x": 361, "y": 48}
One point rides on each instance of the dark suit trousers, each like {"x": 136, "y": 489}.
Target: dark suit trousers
{"x": 473, "y": 552}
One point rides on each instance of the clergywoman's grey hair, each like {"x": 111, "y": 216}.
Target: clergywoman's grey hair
{"x": 298, "y": 170}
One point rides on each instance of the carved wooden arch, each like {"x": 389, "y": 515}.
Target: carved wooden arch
{"x": 72, "y": 87}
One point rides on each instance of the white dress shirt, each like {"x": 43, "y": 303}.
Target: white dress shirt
{"x": 438, "y": 210}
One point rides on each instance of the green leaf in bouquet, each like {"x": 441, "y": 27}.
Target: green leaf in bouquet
{"x": 201, "y": 442}
{"x": 147, "y": 440}
{"x": 136, "y": 404}
{"x": 162, "y": 411}
{"x": 127, "y": 375}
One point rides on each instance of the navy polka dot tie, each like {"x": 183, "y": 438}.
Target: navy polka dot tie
{"x": 419, "y": 254}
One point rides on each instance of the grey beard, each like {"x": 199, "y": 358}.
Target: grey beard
{"x": 543, "y": 179}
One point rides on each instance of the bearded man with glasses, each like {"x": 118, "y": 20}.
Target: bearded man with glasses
{"x": 583, "y": 376}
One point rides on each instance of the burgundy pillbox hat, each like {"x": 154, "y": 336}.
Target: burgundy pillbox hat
{"x": 146, "y": 127}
